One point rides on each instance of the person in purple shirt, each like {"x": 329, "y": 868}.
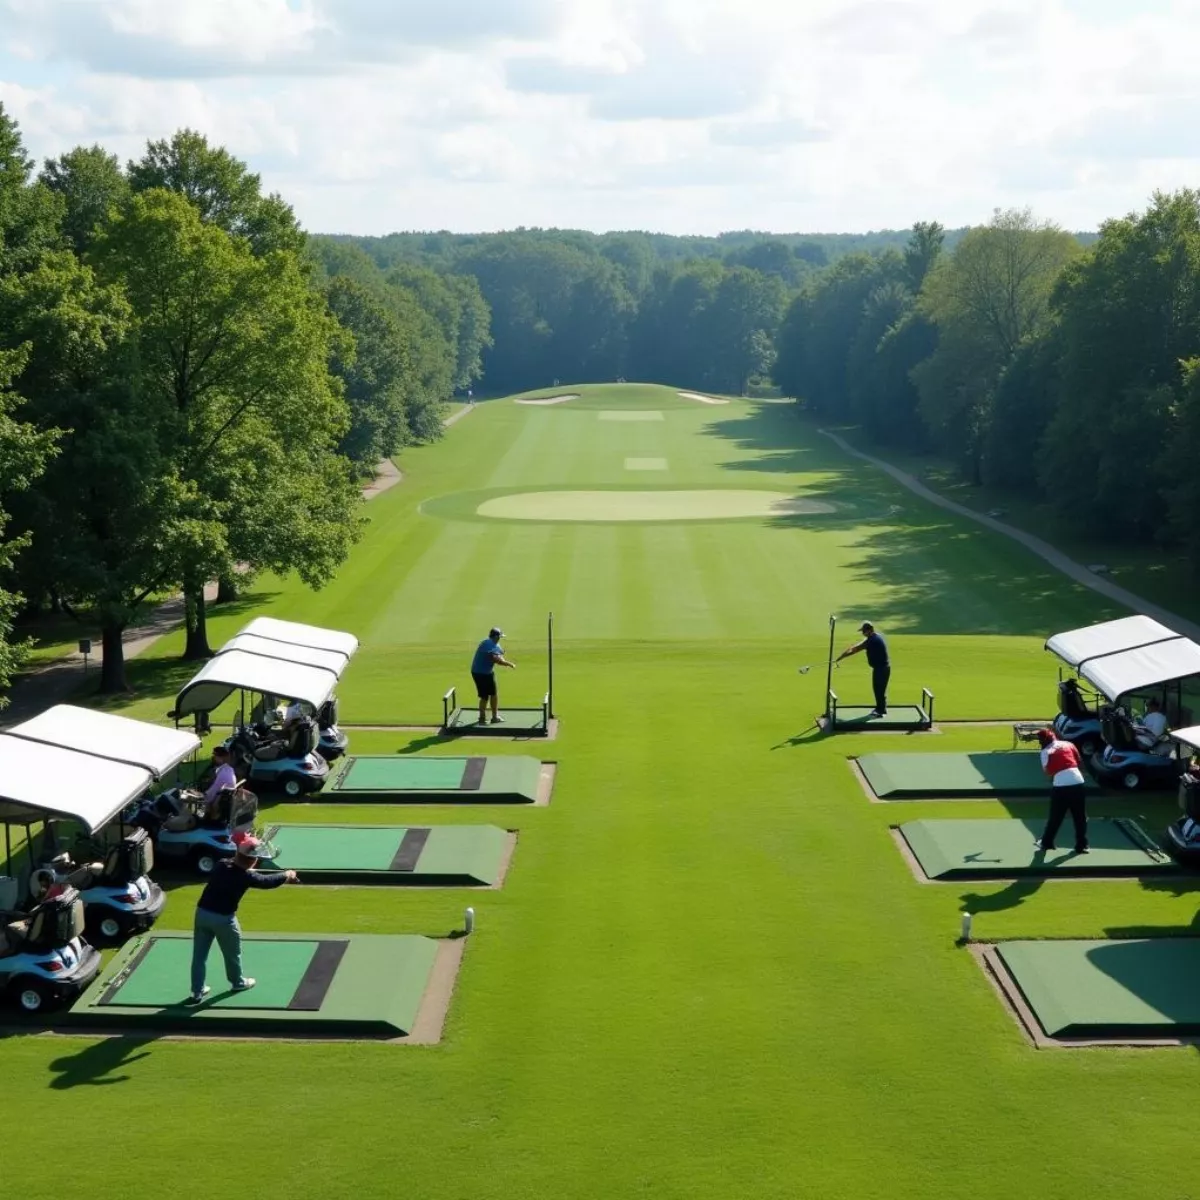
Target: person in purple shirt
{"x": 216, "y": 916}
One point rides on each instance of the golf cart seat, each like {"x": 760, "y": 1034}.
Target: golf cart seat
{"x": 1071, "y": 702}
{"x": 51, "y": 925}
{"x": 13, "y": 936}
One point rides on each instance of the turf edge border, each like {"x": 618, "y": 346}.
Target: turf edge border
{"x": 987, "y": 956}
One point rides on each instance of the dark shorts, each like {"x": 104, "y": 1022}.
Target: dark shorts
{"x": 485, "y": 685}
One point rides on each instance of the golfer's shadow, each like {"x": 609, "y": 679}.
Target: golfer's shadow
{"x": 1012, "y": 896}
{"x": 96, "y": 1065}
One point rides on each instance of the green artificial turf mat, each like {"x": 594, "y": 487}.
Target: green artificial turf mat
{"x": 161, "y": 976}
{"x": 989, "y": 773}
{"x": 516, "y": 721}
{"x": 401, "y": 772}
{"x": 335, "y": 984}
{"x": 979, "y": 849}
{"x": 1147, "y": 987}
{"x": 463, "y": 854}
{"x": 407, "y": 779}
{"x": 858, "y": 717}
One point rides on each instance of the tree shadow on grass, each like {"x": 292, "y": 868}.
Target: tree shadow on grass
{"x": 97, "y": 1065}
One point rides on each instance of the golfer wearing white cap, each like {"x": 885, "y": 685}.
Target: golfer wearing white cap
{"x": 216, "y": 916}
{"x": 488, "y": 656}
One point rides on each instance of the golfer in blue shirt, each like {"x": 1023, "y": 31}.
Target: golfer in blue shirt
{"x": 877, "y": 659}
{"x": 488, "y": 656}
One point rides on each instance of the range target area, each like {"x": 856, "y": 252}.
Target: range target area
{"x": 307, "y": 984}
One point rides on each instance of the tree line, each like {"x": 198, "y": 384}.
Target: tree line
{"x": 1059, "y": 370}
{"x": 191, "y": 389}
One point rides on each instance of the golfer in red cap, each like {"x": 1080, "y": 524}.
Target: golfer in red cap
{"x": 1068, "y": 790}
{"x": 216, "y": 916}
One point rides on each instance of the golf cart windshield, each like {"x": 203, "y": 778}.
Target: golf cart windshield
{"x": 295, "y": 634}
{"x": 120, "y": 739}
{"x": 329, "y": 660}
{"x": 238, "y": 670}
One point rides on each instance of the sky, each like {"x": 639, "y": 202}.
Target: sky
{"x": 681, "y": 116}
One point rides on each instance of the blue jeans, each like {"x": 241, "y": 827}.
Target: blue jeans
{"x": 228, "y": 935}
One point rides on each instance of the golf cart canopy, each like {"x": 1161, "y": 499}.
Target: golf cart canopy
{"x": 1078, "y": 646}
{"x": 237, "y": 670}
{"x": 326, "y": 660}
{"x": 135, "y": 743}
{"x": 1117, "y": 675}
{"x": 296, "y": 634}
{"x": 1189, "y": 737}
{"x": 39, "y": 781}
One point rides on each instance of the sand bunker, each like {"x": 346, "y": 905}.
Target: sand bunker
{"x": 703, "y": 399}
{"x": 549, "y": 399}
{"x": 666, "y": 505}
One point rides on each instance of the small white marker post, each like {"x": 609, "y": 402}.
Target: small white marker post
{"x": 469, "y": 921}
{"x": 966, "y": 927}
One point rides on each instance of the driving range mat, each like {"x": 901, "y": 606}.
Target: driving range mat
{"x": 413, "y": 779}
{"x": 429, "y": 856}
{"x": 1146, "y": 988}
{"x": 969, "y": 776}
{"x": 1004, "y": 849}
{"x": 858, "y": 719}
{"x": 365, "y": 986}
{"x": 517, "y": 722}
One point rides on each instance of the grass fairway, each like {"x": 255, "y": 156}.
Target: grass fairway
{"x": 710, "y": 974}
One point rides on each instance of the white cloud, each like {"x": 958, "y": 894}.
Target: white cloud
{"x": 678, "y": 114}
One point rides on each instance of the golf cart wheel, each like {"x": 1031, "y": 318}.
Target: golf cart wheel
{"x": 1131, "y": 781}
{"x": 293, "y": 785}
{"x": 111, "y": 929}
{"x": 1090, "y": 746}
{"x": 32, "y": 996}
{"x": 206, "y": 862}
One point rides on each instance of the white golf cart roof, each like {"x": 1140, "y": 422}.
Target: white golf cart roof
{"x": 39, "y": 781}
{"x": 238, "y": 670}
{"x": 295, "y": 634}
{"x": 1077, "y": 646}
{"x": 326, "y": 660}
{"x": 1189, "y": 737}
{"x": 136, "y": 743}
{"x": 1117, "y": 675}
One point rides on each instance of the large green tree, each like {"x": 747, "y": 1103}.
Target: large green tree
{"x": 91, "y": 184}
{"x": 233, "y": 350}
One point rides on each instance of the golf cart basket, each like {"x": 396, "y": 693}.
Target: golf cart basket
{"x": 233, "y": 808}
{"x": 1117, "y": 729}
{"x": 327, "y": 714}
{"x": 1189, "y": 796}
{"x": 131, "y": 858}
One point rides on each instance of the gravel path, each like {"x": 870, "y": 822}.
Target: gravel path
{"x": 1044, "y": 551}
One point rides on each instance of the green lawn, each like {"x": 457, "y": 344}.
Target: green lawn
{"x": 709, "y": 973}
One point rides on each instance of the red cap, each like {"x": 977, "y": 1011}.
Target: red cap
{"x": 1045, "y": 736}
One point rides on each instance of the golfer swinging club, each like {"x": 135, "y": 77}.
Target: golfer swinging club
{"x": 489, "y": 656}
{"x": 1068, "y": 791}
{"x": 877, "y": 660}
{"x": 216, "y": 916}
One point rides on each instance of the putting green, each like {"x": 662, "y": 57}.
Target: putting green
{"x": 315, "y": 983}
{"x": 1002, "y": 849}
{"x": 406, "y": 778}
{"x": 991, "y": 773}
{"x": 1136, "y": 988}
{"x": 716, "y": 504}
{"x": 440, "y": 855}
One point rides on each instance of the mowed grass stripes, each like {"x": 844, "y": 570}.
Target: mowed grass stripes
{"x": 710, "y": 973}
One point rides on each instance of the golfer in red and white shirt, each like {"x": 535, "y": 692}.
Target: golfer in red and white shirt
{"x": 1068, "y": 791}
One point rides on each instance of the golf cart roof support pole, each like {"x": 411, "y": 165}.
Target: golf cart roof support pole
{"x": 829, "y": 669}
{"x": 550, "y": 665}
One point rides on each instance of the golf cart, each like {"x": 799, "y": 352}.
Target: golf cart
{"x": 1125, "y": 662}
{"x": 311, "y": 646}
{"x": 89, "y": 766}
{"x": 1079, "y": 710}
{"x": 44, "y": 959}
{"x": 1183, "y": 835}
{"x": 189, "y": 832}
{"x": 292, "y": 765}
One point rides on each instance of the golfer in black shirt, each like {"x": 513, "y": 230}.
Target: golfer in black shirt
{"x": 877, "y": 660}
{"x": 216, "y": 916}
